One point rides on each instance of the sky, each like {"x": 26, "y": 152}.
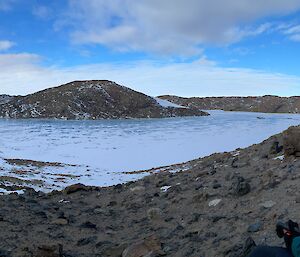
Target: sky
{"x": 179, "y": 47}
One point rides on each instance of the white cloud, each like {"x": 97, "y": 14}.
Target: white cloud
{"x": 170, "y": 26}
{"x": 23, "y": 74}
{"x": 292, "y": 31}
{"x": 6, "y": 5}
{"x": 6, "y": 44}
{"x": 295, "y": 37}
{"x": 16, "y": 62}
{"x": 42, "y": 12}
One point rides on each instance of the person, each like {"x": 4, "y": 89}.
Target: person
{"x": 291, "y": 233}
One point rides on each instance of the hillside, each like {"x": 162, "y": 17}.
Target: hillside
{"x": 267, "y": 104}
{"x": 5, "y": 99}
{"x": 208, "y": 208}
{"x": 99, "y": 99}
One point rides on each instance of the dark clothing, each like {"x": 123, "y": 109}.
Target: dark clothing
{"x": 268, "y": 251}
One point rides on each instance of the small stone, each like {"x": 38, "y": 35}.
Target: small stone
{"x": 214, "y": 202}
{"x": 86, "y": 241}
{"x": 60, "y": 221}
{"x": 113, "y": 251}
{"x": 88, "y": 224}
{"x": 154, "y": 214}
{"x": 49, "y": 251}
{"x": 200, "y": 197}
{"x": 138, "y": 189}
{"x": 268, "y": 204}
{"x": 255, "y": 227}
{"x": 99, "y": 211}
{"x": 195, "y": 217}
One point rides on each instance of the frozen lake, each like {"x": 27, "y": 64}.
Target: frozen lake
{"x": 110, "y": 147}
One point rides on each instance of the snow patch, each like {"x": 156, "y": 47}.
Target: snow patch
{"x": 165, "y": 188}
{"x": 7, "y": 192}
{"x": 281, "y": 157}
{"x": 166, "y": 103}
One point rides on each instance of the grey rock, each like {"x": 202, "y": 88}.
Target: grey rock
{"x": 255, "y": 227}
{"x": 241, "y": 187}
{"x": 154, "y": 214}
{"x": 268, "y": 204}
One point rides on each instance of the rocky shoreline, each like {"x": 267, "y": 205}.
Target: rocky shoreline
{"x": 210, "y": 208}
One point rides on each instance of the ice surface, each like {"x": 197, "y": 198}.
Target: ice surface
{"x": 104, "y": 150}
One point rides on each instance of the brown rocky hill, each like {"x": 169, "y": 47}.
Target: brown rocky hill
{"x": 268, "y": 103}
{"x": 94, "y": 99}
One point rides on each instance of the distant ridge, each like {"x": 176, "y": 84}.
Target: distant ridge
{"x": 267, "y": 103}
{"x": 5, "y": 99}
{"x": 92, "y": 99}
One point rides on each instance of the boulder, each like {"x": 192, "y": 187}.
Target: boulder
{"x": 291, "y": 141}
{"x": 241, "y": 187}
{"x": 75, "y": 188}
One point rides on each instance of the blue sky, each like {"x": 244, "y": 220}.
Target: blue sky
{"x": 188, "y": 48}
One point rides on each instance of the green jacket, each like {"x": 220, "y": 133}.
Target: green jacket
{"x": 296, "y": 247}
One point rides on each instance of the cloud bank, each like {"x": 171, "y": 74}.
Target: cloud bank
{"x": 23, "y": 74}
{"x": 178, "y": 27}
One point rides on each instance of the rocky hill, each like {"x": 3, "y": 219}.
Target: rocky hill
{"x": 268, "y": 103}
{"x": 99, "y": 99}
{"x": 213, "y": 206}
{"x": 5, "y": 99}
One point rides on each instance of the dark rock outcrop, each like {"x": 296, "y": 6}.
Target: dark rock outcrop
{"x": 291, "y": 141}
{"x": 267, "y": 103}
{"x": 95, "y": 99}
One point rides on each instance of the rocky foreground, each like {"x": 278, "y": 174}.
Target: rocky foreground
{"x": 267, "y": 104}
{"x": 92, "y": 99}
{"x": 210, "y": 208}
